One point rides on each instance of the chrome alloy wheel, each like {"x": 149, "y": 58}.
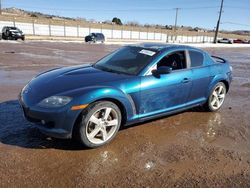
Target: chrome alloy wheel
{"x": 102, "y": 125}
{"x": 218, "y": 96}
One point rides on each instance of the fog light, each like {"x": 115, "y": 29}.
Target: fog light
{"x": 43, "y": 122}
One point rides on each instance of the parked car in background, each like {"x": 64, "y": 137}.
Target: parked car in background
{"x": 131, "y": 85}
{"x": 12, "y": 33}
{"x": 239, "y": 41}
{"x": 248, "y": 42}
{"x": 95, "y": 37}
{"x": 225, "y": 40}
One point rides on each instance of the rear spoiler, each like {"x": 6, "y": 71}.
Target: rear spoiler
{"x": 219, "y": 59}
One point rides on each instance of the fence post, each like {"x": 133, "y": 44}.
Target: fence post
{"x": 14, "y": 21}
{"x": 49, "y": 28}
{"x": 112, "y": 31}
{"x": 147, "y": 33}
{"x": 139, "y": 34}
{"x": 64, "y": 28}
{"x": 131, "y": 32}
{"x": 33, "y": 26}
{"x": 78, "y": 35}
{"x": 122, "y": 33}
{"x": 161, "y": 34}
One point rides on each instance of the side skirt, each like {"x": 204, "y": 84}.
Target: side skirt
{"x": 140, "y": 120}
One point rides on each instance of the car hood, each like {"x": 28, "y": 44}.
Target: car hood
{"x": 59, "y": 81}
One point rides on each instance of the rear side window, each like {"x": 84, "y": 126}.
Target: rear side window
{"x": 100, "y": 36}
{"x": 196, "y": 58}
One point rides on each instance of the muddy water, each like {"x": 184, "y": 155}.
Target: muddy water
{"x": 193, "y": 148}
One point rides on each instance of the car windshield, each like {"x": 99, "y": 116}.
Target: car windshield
{"x": 14, "y": 29}
{"x": 127, "y": 60}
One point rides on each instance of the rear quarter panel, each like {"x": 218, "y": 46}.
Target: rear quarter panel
{"x": 219, "y": 72}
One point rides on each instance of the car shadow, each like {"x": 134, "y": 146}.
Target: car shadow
{"x": 17, "y": 131}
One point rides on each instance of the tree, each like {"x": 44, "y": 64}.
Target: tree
{"x": 117, "y": 21}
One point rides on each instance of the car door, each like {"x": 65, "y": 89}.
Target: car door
{"x": 166, "y": 92}
{"x": 201, "y": 76}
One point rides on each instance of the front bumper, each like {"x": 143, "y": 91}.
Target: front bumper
{"x": 55, "y": 122}
{"x": 16, "y": 37}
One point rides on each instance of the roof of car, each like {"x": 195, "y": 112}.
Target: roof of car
{"x": 97, "y": 33}
{"x": 161, "y": 46}
{"x": 10, "y": 27}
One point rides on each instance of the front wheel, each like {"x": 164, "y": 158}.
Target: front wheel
{"x": 216, "y": 97}
{"x": 100, "y": 123}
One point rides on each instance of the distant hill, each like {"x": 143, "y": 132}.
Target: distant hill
{"x": 20, "y": 12}
{"x": 241, "y": 32}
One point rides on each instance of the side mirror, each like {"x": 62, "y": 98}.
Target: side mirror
{"x": 162, "y": 70}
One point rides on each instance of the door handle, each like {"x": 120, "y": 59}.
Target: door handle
{"x": 185, "y": 80}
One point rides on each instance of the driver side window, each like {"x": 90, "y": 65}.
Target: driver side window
{"x": 175, "y": 60}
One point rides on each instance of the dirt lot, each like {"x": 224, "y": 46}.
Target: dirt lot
{"x": 192, "y": 148}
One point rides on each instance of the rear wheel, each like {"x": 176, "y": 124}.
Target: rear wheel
{"x": 216, "y": 97}
{"x": 100, "y": 123}
{"x": 4, "y": 37}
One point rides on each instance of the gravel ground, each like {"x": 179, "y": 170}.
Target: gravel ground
{"x": 189, "y": 149}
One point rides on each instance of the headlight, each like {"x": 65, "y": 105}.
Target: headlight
{"x": 25, "y": 89}
{"x": 55, "y": 101}
{"x": 231, "y": 68}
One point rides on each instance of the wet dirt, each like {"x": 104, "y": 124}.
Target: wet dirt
{"x": 188, "y": 149}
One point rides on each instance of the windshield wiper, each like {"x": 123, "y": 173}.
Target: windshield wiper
{"x": 111, "y": 70}
{"x": 107, "y": 69}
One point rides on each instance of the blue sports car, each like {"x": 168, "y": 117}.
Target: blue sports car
{"x": 133, "y": 84}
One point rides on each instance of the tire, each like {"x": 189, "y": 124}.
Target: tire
{"x": 216, "y": 97}
{"x": 99, "y": 125}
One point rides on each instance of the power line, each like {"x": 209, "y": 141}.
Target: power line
{"x": 234, "y": 23}
{"x": 233, "y": 7}
{"x": 218, "y": 22}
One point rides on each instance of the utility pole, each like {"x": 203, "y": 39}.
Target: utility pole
{"x": 0, "y": 7}
{"x": 218, "y": 23}
{"x": 176, "y": 19}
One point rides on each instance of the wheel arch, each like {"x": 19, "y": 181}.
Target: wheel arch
{"x": 217, "y": 80}
{"x": 226, "y": 84}
{"x": 120, "y": 106}
{"x": 99, "y": 93}
{"x": 113, "y": 100}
